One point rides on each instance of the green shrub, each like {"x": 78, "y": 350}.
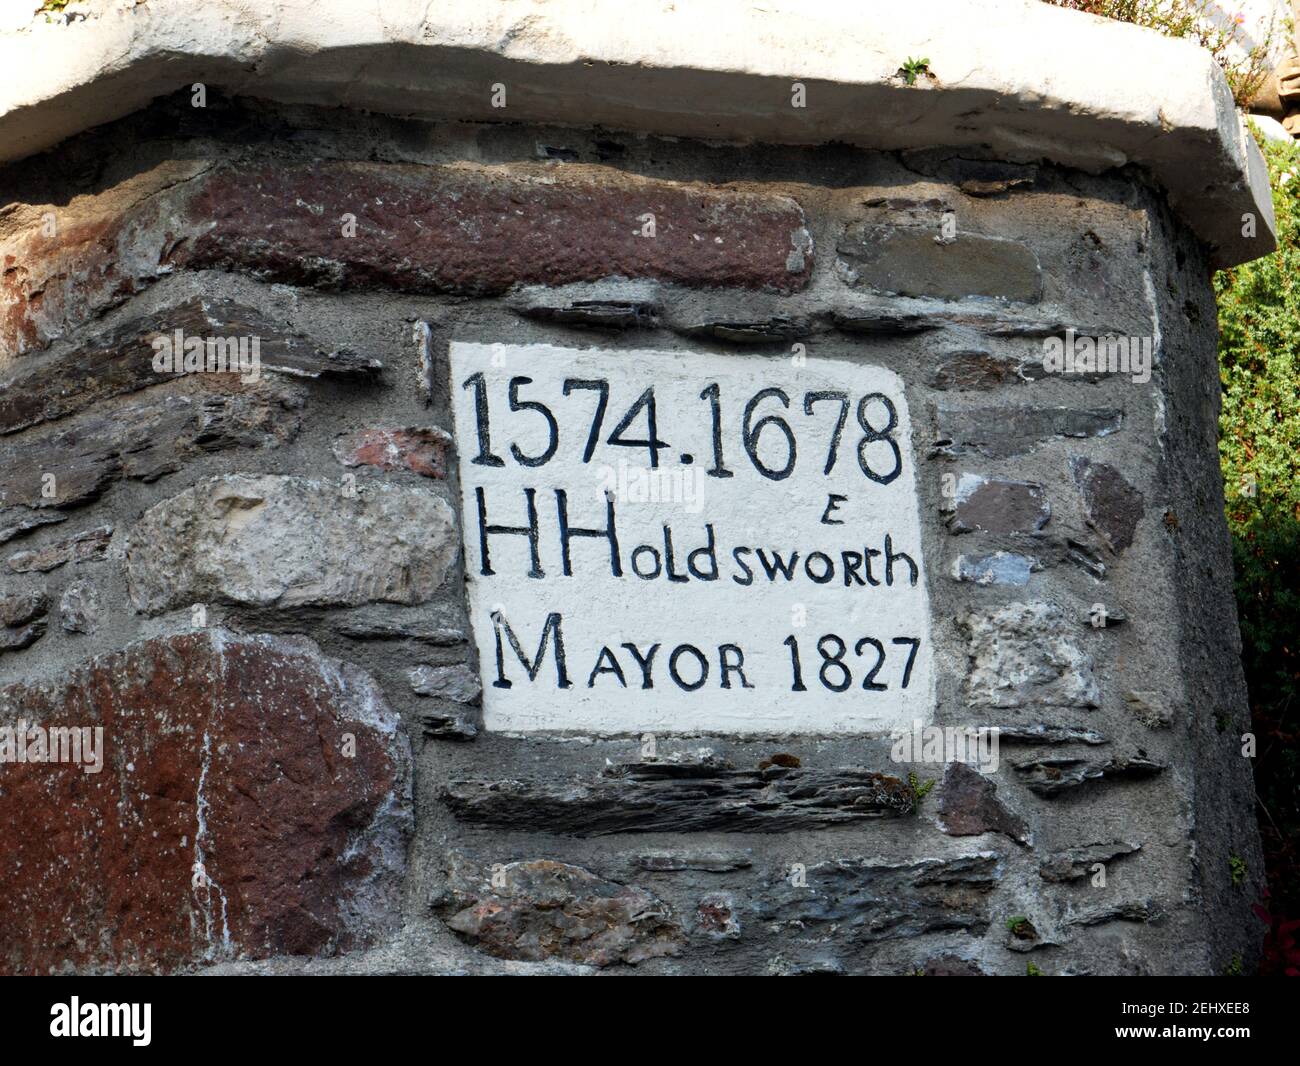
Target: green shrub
{"x": 1259, "y": 447}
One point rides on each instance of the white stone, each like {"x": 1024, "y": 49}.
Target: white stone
{"x": 1026, "y": 654}
{"x": 275, "y": 541}
{"x": 457, "y": 683}
{"x": 718, "y": 598}
{"x": 1030, "y": 80}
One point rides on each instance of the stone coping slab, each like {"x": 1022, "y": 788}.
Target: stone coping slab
{"x": 1026, "y": 80}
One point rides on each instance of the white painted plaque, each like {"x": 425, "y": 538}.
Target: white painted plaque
{"x": 675, "y": 541}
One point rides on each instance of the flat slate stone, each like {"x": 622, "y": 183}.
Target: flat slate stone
{"x": 968, "y": 806}
{"x": 663, "y": 797}
{"x": 1074, "y": 864}
{"x": 1113, "y": 506}
{"x": 121, "y": 361}
{"x": 1004, "y": 431}
{"x": 543, "y": 909}
{"x": 865, "y": 900}
{"x": 997, "y": 505}
{"x": 909, "y": 261}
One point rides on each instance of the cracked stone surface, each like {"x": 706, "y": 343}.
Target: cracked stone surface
{"x": 542, "y": 909}
{"x": 253, "y": 800}
{"x": 274, "y": 540}
{"x": 1024, "y": 654}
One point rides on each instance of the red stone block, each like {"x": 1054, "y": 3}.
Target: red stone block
{"x": 418, "y": 449}
{"x": 481, "y": 230}
{"x": 253, "y": 801}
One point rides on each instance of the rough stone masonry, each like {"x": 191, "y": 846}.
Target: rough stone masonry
{"x": 475, "y": 615}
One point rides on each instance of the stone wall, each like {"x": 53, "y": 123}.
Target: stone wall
{"x": 257, "y": 587}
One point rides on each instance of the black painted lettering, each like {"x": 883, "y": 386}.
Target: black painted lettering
{"x": 778, "y": 565}
{"x": 670, "y": 560}
{"x": 601, "y": 668}
{"x": 833, "y": 502}
{"x": 852, "y": 563}
{"x": 708, "y": 552}
{"x": 736, "y": 554}
{"x": 892, "y": 557}
{"x": 610, "y": 533}
{"x": 825, "y": 565}
{"x": 636, "y": 567}
{"x": 915, "y": 645}
{"x": 688, "y": 649}
{"x": 646, "y": 662}
{"x": 871, "y": 553}
{"x": 551, "y": 627}
{"x": 725, "y": 665}
{"x": 530, "y": 531}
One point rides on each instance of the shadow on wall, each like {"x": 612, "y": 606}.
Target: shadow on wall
{"x": 1267, "y": 563}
